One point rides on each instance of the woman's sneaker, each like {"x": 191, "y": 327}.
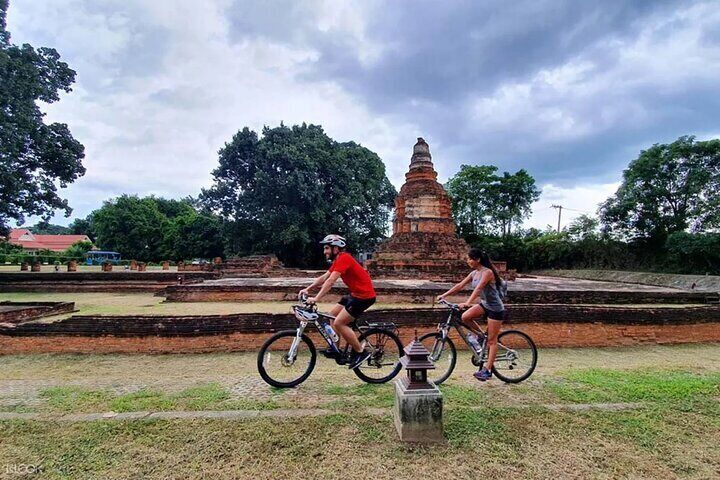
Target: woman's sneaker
{"x": 483, "y": 375}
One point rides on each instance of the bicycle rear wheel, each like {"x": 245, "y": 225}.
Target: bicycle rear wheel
{"x": 442, "y": 354}
{"x": 384, "y": 362}
{"x": 516, "y": 357}
{"x": 277, "y": 369}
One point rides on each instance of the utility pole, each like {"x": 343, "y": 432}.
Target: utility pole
{"x": 559, "y": 207}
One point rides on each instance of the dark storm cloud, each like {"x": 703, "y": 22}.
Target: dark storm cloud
{"x": 437, "y": 58}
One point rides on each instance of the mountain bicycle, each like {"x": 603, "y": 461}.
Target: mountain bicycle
{"x": 516, "y": 357}
{"x": 288, "y": 357}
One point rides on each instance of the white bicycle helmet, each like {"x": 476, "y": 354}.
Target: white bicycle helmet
{"x": 335, "y": 240}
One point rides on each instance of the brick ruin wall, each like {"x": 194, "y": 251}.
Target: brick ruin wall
{"x": 240, "y": 293}
{"x": 18, "y": 312}
{"x": 96, "y": 281}
{"x": 549, "y": 325}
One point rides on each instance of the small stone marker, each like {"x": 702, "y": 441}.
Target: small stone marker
{"x": 142, "y": 266}
{"x": 36, "y": 266}
{"x": 418, "y": 401}
{"x": 24, "y": 266}
{"x": 133, "y": 265}
{"x": 166, "y": 265}
{"x": 72, "y": 266}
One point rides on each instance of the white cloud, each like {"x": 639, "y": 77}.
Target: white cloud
{"x": 576, "y": 200}
{"x": 160, "y": 134}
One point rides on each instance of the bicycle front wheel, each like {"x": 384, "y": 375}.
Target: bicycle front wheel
{"x": 442, "y": 354}
{"x": 516, "y": 356}
{"x": 384, "y": 362}
{"x": 274, "y": 362}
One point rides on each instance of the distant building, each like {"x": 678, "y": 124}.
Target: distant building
{"x": 30, "y": 241}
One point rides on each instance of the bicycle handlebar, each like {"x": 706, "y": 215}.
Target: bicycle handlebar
{"x": 453, "y": 306}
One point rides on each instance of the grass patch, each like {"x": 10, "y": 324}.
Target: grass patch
{"x": 459, "y": 395}
{"x": 600, "y": 385}
{"x": 465, "y": 426}
{"x": 73, "y": 399}
{"x": 363, "y": 395}
{"x": 210, "y": 396}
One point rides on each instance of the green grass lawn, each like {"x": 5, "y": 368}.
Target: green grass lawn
{"x": 493, "y": 430}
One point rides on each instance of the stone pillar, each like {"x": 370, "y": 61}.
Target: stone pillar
{"x": 133, "y": 265}
{"x": 418, "y": 413}
{"x": 107, "y": 267}
{"x": 181, "y": 266}
{"x": 24, "y": 266}
{"x": 35, "y": 267}
{"x": 418, "y": 401}
{"x": 72, "y": 266}
{"x": 217, "y": 261}
{"x": 142, "y": 266}
{"x": 166, "y": 265}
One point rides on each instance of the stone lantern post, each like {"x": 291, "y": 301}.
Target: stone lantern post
{"x": 418, "y": 401}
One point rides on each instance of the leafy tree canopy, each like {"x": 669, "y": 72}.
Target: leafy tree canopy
{"x": 153, "y": 229}
{"x": 283, "y": 192}
{"x": 668, "y": 188}
{"x": 35, "y": 158}
{"x": 484, "y": 202}
{"x": 45, "y": 228}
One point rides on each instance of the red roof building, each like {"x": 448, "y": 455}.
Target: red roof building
{"x": 57, "y": 243}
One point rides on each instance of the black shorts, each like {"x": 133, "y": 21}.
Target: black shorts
{"x": 356, "y": 306}
{"x": 501, "y": 315}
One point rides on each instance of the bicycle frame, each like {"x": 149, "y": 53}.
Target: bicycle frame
{"x": 454, "y": 320}
{"x": 308, "y": 315}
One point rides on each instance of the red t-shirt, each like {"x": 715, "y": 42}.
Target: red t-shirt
{"x": 354, "y": 275}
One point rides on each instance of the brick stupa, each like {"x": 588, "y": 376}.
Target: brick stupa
{"x": 424, "y": 243}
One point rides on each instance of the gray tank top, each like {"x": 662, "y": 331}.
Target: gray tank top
{"x": 489, "y": 297}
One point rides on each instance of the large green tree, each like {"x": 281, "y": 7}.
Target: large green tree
{"x": 35, "y": 158}
{"x": 668, "y": 188}
{"x": 153, "y": 229}
{"x": 132, "y": 226}
{"x": 283, "y": 192}
{"x": 484, "y": 202}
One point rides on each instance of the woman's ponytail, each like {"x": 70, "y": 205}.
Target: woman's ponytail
{"x": 484, "y": 259}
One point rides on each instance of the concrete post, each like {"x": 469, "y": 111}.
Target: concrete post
{"x": 418, "y": 401}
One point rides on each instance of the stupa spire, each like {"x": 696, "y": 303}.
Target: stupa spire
{"x": 421, "y": 157}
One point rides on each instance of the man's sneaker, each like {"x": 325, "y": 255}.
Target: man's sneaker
{"x": 329, "y": 352}
{"x": 357, "y": 358}
{"x": 483, "y": 374}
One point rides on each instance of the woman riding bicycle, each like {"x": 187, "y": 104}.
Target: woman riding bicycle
{"x": 487, "y": 287}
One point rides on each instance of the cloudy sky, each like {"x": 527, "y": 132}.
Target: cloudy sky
{"x": 569, "y": 90}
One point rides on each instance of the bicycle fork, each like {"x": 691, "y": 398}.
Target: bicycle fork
{"x": 296, "y": 341}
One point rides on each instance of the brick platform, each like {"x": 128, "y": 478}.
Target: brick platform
{"x": 524, "y": 290}
{"x": 18, "y": 312}
{"x": 549, "y": 325}
{"x": 125, "y": 281}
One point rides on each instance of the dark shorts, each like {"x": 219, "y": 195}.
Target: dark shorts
{"x": 501, "y": 315}
{"x": 356, "y": 306}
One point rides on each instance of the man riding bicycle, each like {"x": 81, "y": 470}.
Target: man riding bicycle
{"x": 350, "y": 307}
